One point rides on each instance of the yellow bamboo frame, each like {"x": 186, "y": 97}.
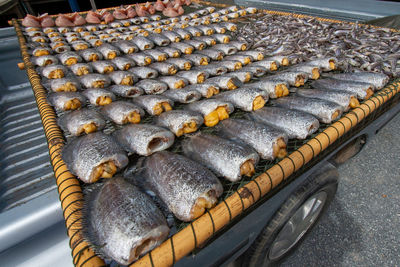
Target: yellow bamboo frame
{"x": 203, "y": 228}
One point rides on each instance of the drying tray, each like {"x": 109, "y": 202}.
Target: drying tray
{"x": 238, "y": 197}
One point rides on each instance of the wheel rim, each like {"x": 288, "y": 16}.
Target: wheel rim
{"x": 297, "y": 225}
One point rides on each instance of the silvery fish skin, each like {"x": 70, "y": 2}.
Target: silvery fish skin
{"x": 120, "y": 77}
{"x": 158, "y": 55}
{"x": 293, "y": 78}
{"x": 229, "y": 25}
{"x": 126, "y": 47}
{"x": 185, "y": 186}
{"x": 54, "y": 71}
{"x": 345, "y": 99}
{"x": 99, "y": 97}
{"x": 144, "y": 72}
{"x": 45, "y": 60}
{"x": 243, "y": 76}
{"x": 123, "y": 63}
{"x": 194, "y": 31}
{"x": 197, "y": 59}
{"x": 207, "y": 90}
{"x": 126, "y": 90}
{"x": 81, "y": 69}
{"x": 242, "y": 58}
{"x": 184, "y": 34}
{"x": 208, "y": 40}
{"x": 183, "y": 47}
{"x": 154, "y": 104}
{"x": 151, "y": 86}
{"x": 226, "y": 158}
{"x": 108, "y": 51}
{"x": 231, "y": 65}
{"x": 363, "y": 90}
{"x": 257, "y": 71}
{"x": 66, "y": 100}
{"x": 213, "y": 69}
{"x": 213, "y": 110}
{"x": 269, "y": 142}
{"x": 165, "y": 68}
{"x": 282, "y": 60}
{"x": 122, "y": 112}
{"x": 379, "y": 80}
{"x": 180, "y": 121}
{"x": 142, "y": 42}
{"x": 326, "y": 64}
{"x": 206, "y": 30}
{"x": 270, "y": 65}
{"x": 141, "y": 59}
{"x": 69, "y": 58}
{"x": 41, "y": 51}
{"x": 95, "y": 81}
{"x": 64, "y": 85}
{"x": 222, "y": 38}
{"x": 103, "y": 66}
{"x": 144, "y": 139}
{"x": 158, "y": 39}
{"x": 121, "y": 222}
{"x": 198, "y": 45}
{"x": 247, "y": 99}
{"x": 218, "y": 28}
{"x": 94, "y": 156}
{"x": 171, "y": 52}
{"x": 174, "y": 82}
{"x": 183, "y": 95}
{"x": 214, "y": 54}
{"x": 194, "y": 76}
{"x": 312, "y": 71}
{"x": 95, "y": 42}
{"x": 225, "y": 82}
{"x": 82, "y": 121}
{"x": 324, "y": 110}
{"x": 240, "y": 45}
{"x": 172, "y": 36}
{"x": 296, "y": 124}
{"x": 181, "y": 63}
{"x": 228, "y": 49}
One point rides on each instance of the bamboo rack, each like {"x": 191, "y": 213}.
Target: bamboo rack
{"x": 203, "y": 228}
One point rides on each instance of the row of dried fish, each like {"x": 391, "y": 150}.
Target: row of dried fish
{"x": 358, "y": 47}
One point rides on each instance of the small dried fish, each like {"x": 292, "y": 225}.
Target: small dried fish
{"x": 293, "y": 78}
{"x": 257, "y": 71}
{"x": 181, "y": 63}
{"x": 213, "y": 110}
{"x": 82, "y": 121}
{"x": 66, "y": 100}
{"x": 121, "y": 222}
{"x": 247, "y": 99}
{"x": 123, "y": 77}
{"x": 243, "y": 76}
{"x": 103, "y": 66}
{"x": 151, "y": 86}
{"x": 144, "y": 72}
{"x": 185, "y": 186}
{"x": 154, "y": 104}
{"x": 54, "y": 71}
{"x": 144, "y": 139}
{"x": 269, "y": 142}
{"x": 95, "y": 81}
{"x": 226, "y": 158}
{"x": 142, "y": 42}
{"x": 193, "y": 76}
{"x": 123, "y": 63}
{"x": 198, "y": 45}
{"x": 90, "y": 55}
{"x": 183, "y": 47}
{"x": 225, "y": 82}
{"x": 379, "y": 80}
{"x": 94, "y": 156}
{"x": 214, "y": 54}
{"x": 165, "y": 68}
{"x": 64, "y": 85}
{"x": 208, "y": 40}
{"x": 156, "y": 54}
{"x": 174, "y": 82}
{"x": 180, "y": 121}
{"x": 171, "y": 52}
{"x": 228, "y": 49}
{"x": 45, "y": 60}
{"x": 126, "y": 90}
{"x": 141, "y": 59}
{"x": 122, "y": 112}
{"x": 296, "y": 124}
{"x": 361, "y": 89}
{"x": 109, "y": 51}
{"x": 126, "y": 47}
{"x": 207, "y": 90}
{"x": 99, "y": 97}
{"x": 183, "y": 95}
{"x": 214, "y": 69}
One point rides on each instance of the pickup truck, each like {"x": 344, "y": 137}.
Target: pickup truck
{"x": 32, "y": 227}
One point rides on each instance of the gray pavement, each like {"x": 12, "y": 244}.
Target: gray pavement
{"x": 362, "y": 225}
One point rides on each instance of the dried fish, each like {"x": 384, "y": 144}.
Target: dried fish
{"x": 193, "y": 76}
{"x": 154, "y": 104}
{"x": 174, "y": 82}
{"x": 164, "y": 68}
{"x": 99, "y": 97}
{"x": 122, "y": 112}
{"x": 361, "y": 89}
{"x": 183, "y": 95}
{"x": 151, "y": 86}
{"x": 64, "y": 85}
{"x": 123, "y": 77}
{"x": 66, "y": 100}
{"x": 126, "y": 90}
{"x": 82, "y": 121}
{"x": 213, "y": 110}
{"x": 181, "y": 63}
{"x": 247, "y": 99}
{"x": 207, "y": 90}
{"x": 144, "y": 72}
{"x": 225, "y": 82}
{"x": 95, "y": 81}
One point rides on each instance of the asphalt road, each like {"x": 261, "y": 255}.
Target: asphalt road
{"x": 362, "y": 225}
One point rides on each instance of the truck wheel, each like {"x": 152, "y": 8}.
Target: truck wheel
{"x": 293, "y": 219}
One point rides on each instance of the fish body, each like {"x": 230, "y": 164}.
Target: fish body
{"x": 95, "y": 81}
{"x": 123, "y": 63}
{"x": 225, "y": 82}
{"x": 103, "y": 66}
{"x": 109, "y": 51}
{"x": 180, "y": 121}
{"x": 171, "y": 52}
{"x": 183, "y": 47}
{"x": 362, "y": 89}
{"x": 123, "y": 77}
{"x": 54, "y": 71}
{"x": 247, "y": 99}
{"x": 208, "y": 40}
{"x": 325, "y": 111}
{"x": 141, "y": 58}
{"x": 174, "y": 82}
{"x": 156, "y": 54}
{"x": 45, "y": 60}
{"x": 197, "y": 59}
{"x": 242, "y": 76}
{"x": 126, "y": 90}
{"x": 213, "y": 69}
{"x": 226, "y": 48}
{"x": 345, "y": 99}
{"x": 269, "y": 142}
{"x": 187, "y": 187}
{"x": 296, "y": 124}
{"x": 98, "y": 96}
{"x": 257, "y": 71}
{"x": 126, "y": 47}
{"x": 142, "y": 43}
{"x": 158, "y": 39}
{"x": 326, "y": 63}
{"x": 144, "y": 139}
{"x": 122, "y": 112}
{"x": 198, "y": 45}
{"x": 293, "y": 78}
{"x": 64, "y": 85}
{"x": 67, "y": 100}
{"x": 312, "y": 71}
{"x": 214, "y": 54}
{"x": 213, "y": 110}
{"x": 226, "y": 158}
{"x": 144, "y": 72}
{"x": 151, "y": 86}
{"x": 183, "y": 95}
{"x": 165, "y": 68}
{"x": 181, "y": 63}
{"x": 154, "y": 104}
{"x": 194, "y": 76}
{"x": 379, "y": 80}
{"x": 121, "y": 222}
{"x": 207, "y": 90}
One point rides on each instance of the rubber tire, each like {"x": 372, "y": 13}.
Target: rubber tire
{"x": 324, "y": 179}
